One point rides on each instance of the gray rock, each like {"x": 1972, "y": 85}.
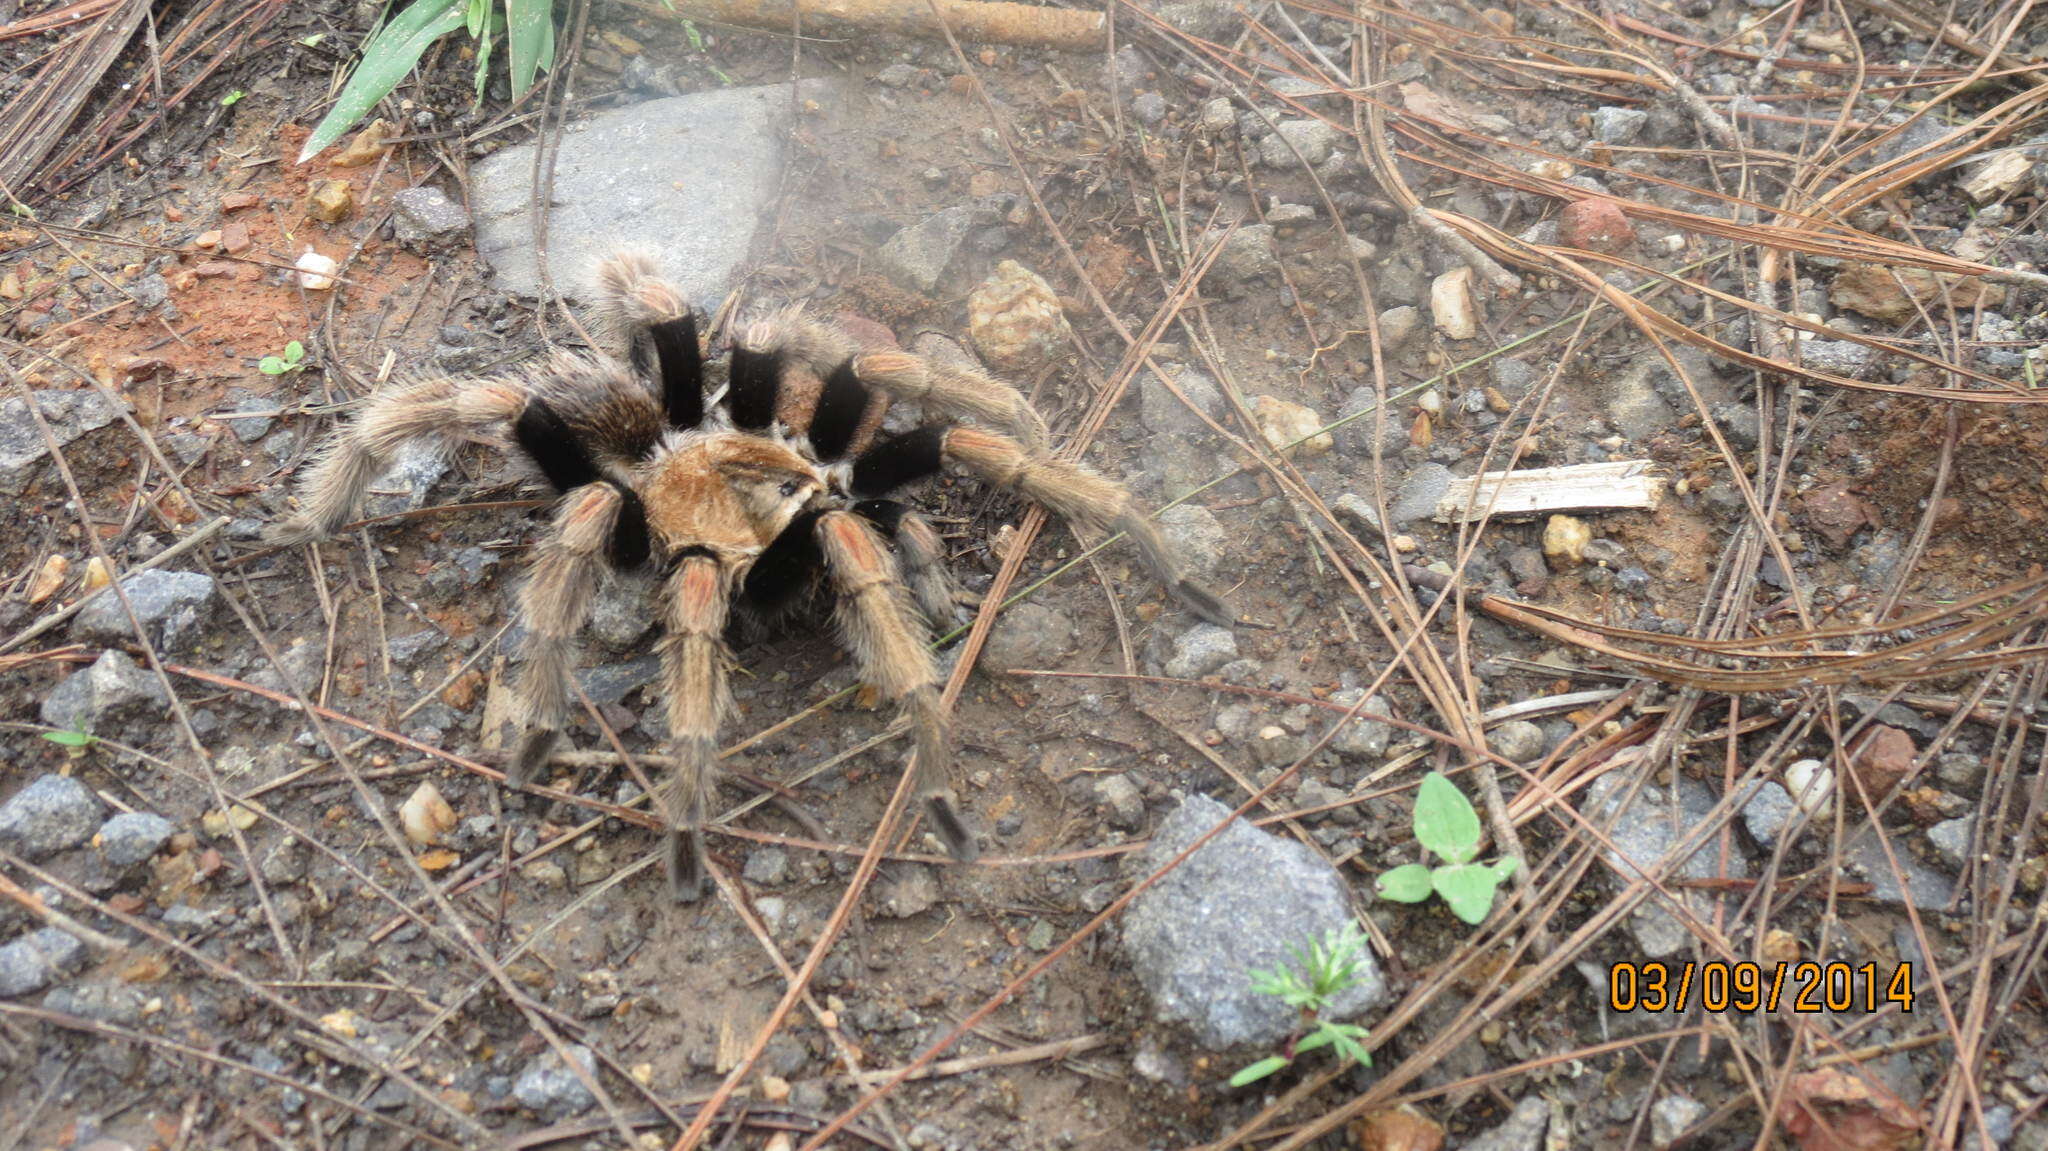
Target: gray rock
{"x": 53, "y": 813}
{"x": 1398, "y": 325}
{"x": 1960, "y": 771}
{"x": 1952, "y": 838}
{"x": 1218, "y": 115}
{"x": 1768, "y": 812}
{"x": 173, "y": 608}
{"x": 1208, "y": 19}
{"x": 412, "y": 645}
{"x": 918, "y": 256}
{"x": 1618, "y": 125}
{"x": 1522, "y": 1130}
{"x": 1842, "y": 357}
{"x": 1030, "y": 635}
{"x": 249, "y": 429}
{"x": 1518, "y": 740}
{"x": 132, "y": 837}
{"x": 1122, "y": 799}
{"x": 1196, "y": 538}
{"x": 1650, "y": 828}
{"x": 106, "y": 1002}
{"x": 1513, "y": 378}
{"x": 1248, "y": 255}
{"x": 1362, "y": 736}
{"x": 415, "y": 468}
{"x": 37, "y": 960}
{"x": 1356, "y": 437}
{"x": 110, "y": 691}
{"x": 549, "y": 1087}
{"x": 22, "y": 449}
{"x": 1357, "y": 511}
{"x": 616, "y": 176}
{"x": 1163, "y": 412}
{"x": 1200, "y": 650}
{"x": 1419, "y": 493}
{"x": 1247, "y": 900}
{"x": 1740, "y": 423}
{"x": 1313, "y": 139}
{"x": 611, "y": 682}
{"x": 1671, "y": 1115}
{"x": 1149, "y": 107}
{"x": 911, "y": 891}
{"x": 1925, "y": 888}
{"x": 624, "y": 611}
{"x": 422, "y": 216}
{"x": 767, "y": 866}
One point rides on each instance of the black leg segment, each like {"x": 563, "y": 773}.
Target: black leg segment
{"x": 841, "y": 405}
{"x": 787, "y": 567}
{"x": 899, "y": 460}
{"x": 629, "y": 547}
{"x": 752, "y": 393}
{"x": 682, "y": 370}
{"x": 546, "y": 439}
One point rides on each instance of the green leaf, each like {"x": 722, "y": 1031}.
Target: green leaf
{"x": 690, "y": 32}
{"x": 1321, "y": 1037}
{"x": 232, "y": 98}
{"x": 1468, "y": 888}
{"x": 474, "y": 14}
{"x": 1408, "y": 883}
{"x": 313, "y": 41}
{"x": 1350, "y": 1047}
{"x": 1504, "y": 867}
{"x": 1257, "y": 1071}
{"x": 1444, "y": 820}
{"x": 387, "y": 57}
{"x": 272, "y": 366}
{"x": 69, "y": 738}
{"x": 530, "y": 34}
{"x": 294, "y": 352}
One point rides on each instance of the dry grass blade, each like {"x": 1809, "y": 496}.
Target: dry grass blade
{"x": 41, "y": 111}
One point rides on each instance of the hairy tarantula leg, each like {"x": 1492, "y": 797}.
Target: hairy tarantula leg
{"x": 877, "y": 622}
{"x": 554, "y": 604}
{"x": 955, "y": 389}
{"x": 945, "y": 603}
{"x": 1067, "y": 490}
{"x": 693, "y": 667}
{"x": 332, "y": 489}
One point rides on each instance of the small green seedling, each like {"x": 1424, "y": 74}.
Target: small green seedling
{"x": 233, "y": 98}
{"x": 293, "y": 359}
{"x": 1329, "y": 967}
{"x": 76, "y": 739}
{"x": 1448, "y": 828}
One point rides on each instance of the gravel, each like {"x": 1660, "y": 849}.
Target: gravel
{"x": 918, "y": 256}
{"x": 1518, "y": 740}
{"x": 172, "y": 606}
{"x": 425, "y": 216}
{"x": 549, "y": 1087}
{"x": 52, "y": 814}
{"x": 1651, "y": 827}
{"x": 1362, "y": 736}
{"x": 1196, "y": 538}
{"x": 1200, "y": 650}
{"x": 1313, "y": 139}
{"x": 1246, "y": 900}
{"x": 1248, "y": 255}
{"x": 22, "y": 448}
{"x": 1951, "y": 840}
{"x": 623, "y": 611}
{"x": 1618, "y": 125}
{"x": 1030, "y": 635}
{"x": 767, "y": 867}
{"x": 1768, "y": 813}
{"x": 132, "y": 837}
{"x": 1121, "y": 798}
{"x": 37, "y": 960}
{"x": 1419, "y": 493}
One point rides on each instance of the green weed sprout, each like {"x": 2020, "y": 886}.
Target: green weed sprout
{"x": 292, "y": 360}
{"x": 393, "y": 50}
{"x": 1328, "y": 967}
{"x": 1448, "y": 828}
{"x": 77, "y": 739}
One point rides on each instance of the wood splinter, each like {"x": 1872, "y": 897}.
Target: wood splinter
{"x": 1612, "y": 486}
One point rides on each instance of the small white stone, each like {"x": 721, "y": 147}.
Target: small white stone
{"x": 316, "y": 272}
{"x": 1283, "y": 423}
{"x": 1450, "y": 304}
{"x": 1812, "y": 785}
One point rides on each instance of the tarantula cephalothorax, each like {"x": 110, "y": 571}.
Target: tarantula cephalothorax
{"x": 751, "y": 498}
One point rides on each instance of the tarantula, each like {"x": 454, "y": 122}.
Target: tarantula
{"x": 753, "y": 497}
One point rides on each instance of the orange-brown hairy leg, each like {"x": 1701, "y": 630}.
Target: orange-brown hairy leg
{"x": 1081, "y": 497}
{"x": 693, "y": 666}
{"x": 923, "y": 553}
{"x": 953, "y": 390}
{"x": 879, "y": 626}
{"x": 332, "y": 489}
{"x": 631, "y": 294}
{"x": 554, "y": 604}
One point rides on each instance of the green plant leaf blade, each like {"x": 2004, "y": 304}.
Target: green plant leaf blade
{"x": 1408, "y": 883}
{"x": 1504, "y": 867}
{"x": 294, "y": 352}
{"x": 1444, "y": 820}
{"x": 530, "y": 34}
{"x": 1468, "y": 888}
{"x": 270, "y": 366}
{"x": 388, "y": 56}
{"x": 69, "y": 738}
{"x": 1253, "y": 1072}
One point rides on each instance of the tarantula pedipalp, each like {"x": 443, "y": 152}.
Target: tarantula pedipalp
{"x": 750, "y": 498}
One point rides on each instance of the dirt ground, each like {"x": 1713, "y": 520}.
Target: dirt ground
{"x": 287, "y": 982}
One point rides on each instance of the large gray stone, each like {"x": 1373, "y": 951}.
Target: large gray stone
{"x": 683, "y": 179}
{"x": 551, "y": 1088}
{"x": 38, "y": 959}
{"x": 1419, "y": 493}
{"x": 114, "y": 688}
{"x": 1246, "y": 901}
{"x": 1650, "y": 828}
{"x": 133, "y": 836}
{"x": 22, "y": 448}
{"x": 917, "y": 257}
{"x": 426, "y": 214}
{"x": 51, "y": 814}
{"x": 173, "y": 608}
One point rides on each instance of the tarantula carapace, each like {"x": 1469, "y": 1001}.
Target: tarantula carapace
{"x": 752, "y": 498}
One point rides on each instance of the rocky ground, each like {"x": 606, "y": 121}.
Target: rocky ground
{"x": 265, "y": 889}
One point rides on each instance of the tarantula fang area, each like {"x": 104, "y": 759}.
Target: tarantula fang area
{"x": 748, "y": 494}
